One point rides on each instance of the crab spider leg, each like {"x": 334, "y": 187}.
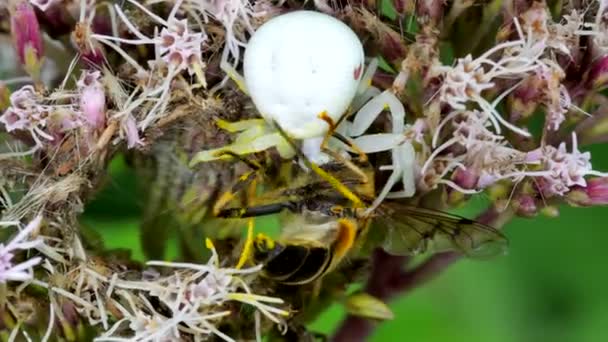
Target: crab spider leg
{"x": 372, "y": 143}
{"x": 370, "y": 111}
{"x": 232, "y": 73}
{"x": 239, "y": 126}
{"x": 257, "y": 144}
{"x": 247, "y": 179}
{"x": 403, "y": 154}
{"x": 335, "y": 183}
{"x": 324, "y": 147}
{"x": 252, "y": 164}
{"x": 332, "y": 132}
{"x": 353, "y": 146}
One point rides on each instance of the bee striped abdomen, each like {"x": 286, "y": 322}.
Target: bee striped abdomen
{"x": 286, "y": 261}
{"x": 316, "y": 263}
{"x": 303, "y": 258}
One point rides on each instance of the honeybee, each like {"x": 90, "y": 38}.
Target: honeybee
{"x": 326, "y": 225}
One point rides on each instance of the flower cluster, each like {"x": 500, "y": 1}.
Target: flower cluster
{"x": 195, "y": 296}
{"x": 438, "y": 117}
{"x": 48, "y": 118}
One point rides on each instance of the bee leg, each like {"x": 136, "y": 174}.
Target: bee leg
{"x": 260, "y": 210}
{"x": 232, "y": 73}
{"x": 245, "y": 180}
{"x": 247, "y": 246}
{"x": 253, "y": 139}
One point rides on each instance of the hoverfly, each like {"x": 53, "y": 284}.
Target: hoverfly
{"x": 305, "y": 250}
{"x": 327, "y": 226}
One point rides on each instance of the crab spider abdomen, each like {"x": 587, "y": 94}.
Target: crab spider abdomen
{"x": 301, "y": 64}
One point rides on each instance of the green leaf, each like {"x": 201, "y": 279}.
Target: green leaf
{"x": 387, "y": 9}
{"x": 385, "y": 66}
{"x": 367, "y": 306}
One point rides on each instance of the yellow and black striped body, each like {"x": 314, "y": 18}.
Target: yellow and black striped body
{"x": 300, "y": 259}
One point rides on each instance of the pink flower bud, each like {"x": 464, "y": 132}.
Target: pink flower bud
{"x": 598, "y": 74}
{"x": 392, "y": 46}
{"x": 432, "y": 9}
{"x": 595, "y": 193}
{"x": 526, "y": 98}
{"x": 526, "y": 206}
{"x": 486, "y": 179}
{"x": 90, "y": 50}
{"x": 27, "y": 36}
{"x": 466, "y": 179}
{"x": 92, "y": 99}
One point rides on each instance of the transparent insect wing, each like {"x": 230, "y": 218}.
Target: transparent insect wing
{"x": 412, "y": 230}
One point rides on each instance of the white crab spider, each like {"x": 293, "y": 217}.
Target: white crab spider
{"x": 298, "y": 66}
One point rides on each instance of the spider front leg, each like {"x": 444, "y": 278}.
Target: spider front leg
{"x": 403, "y": 154}
{"x": 255, "y": 138}
{"x": 232, "y": 73}
{"x": 247, "y": 181}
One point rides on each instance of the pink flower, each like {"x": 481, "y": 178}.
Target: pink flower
{"x": 597, "y": 190}
{"x": 43, "y": 119}
{"x": 465, "y": 178}
{"x": 21, "y": 114}
{"x": 180, "y": 47}
{"x": 595, "y": 193}
{"x": 598, "y": 74}
{"x": 565, "y": 170}
{"x": 92, "y": 99}
{"x": 526, "y": 206}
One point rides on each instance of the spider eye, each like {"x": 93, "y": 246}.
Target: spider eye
{"x": 357, "y": 72}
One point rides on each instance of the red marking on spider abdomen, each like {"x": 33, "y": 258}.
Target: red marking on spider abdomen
{"x": 357, "y": 72}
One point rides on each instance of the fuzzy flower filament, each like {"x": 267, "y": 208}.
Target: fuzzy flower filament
{"x": 175, "y": 46}
{"x": 9, "y": 271}
{"x": 197, "y": 295}
{"x": 564, "y": 170}
{"x": 465, "y": 82}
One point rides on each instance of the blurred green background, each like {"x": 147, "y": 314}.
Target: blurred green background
{"x": 550, "y": 287}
